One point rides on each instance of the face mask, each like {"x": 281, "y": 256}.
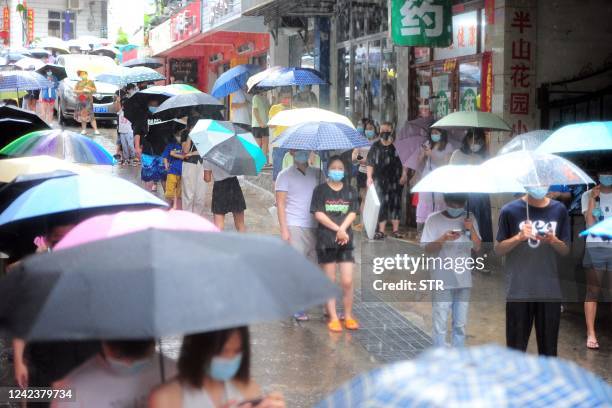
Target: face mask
{"x": 122, "y": 368}
{"x": 301, "y": 156}
{"x": 152, "y": 109}
{"x": 475, "y": 147}
{"x": 336, "y": 175}
{"x": 455, "y": 212}
{"x": 224, "y": 369}
{"x": 49, "y": 73}
{"x": 605, "y": 180}
{"x": 537, "y": 192}
{"x": 370, "y": 133}
{"x": 386, "y": 136}
{"x": 360, "y": 130}
{"x": 435, "y": 137}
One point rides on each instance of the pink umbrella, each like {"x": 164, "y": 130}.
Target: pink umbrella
{"x": 126, "y": 222}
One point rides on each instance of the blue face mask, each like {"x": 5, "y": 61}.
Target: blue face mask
{"x": 370, "y": 133}
{"x": 360, "y": 130}
{"x": 224, "y": 369}
{"x": 537, "y": 192}
{"x": 336, "y": 175}
{"x": 120, "y": 367}
{"x": 605, "y": 180}
{"x": 435, "y": 138}
{"x": 301, "y": 156}
{"x": 455, "y": 212}
{"x": 152, "y": 109}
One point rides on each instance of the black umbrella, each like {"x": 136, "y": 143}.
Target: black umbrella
{"x": 178, "y": 106}
{"x": 180, "y": 283}
{"x": 162, "y": 133}
{"x": 144, "y": 62}
{"x": 58, "y": 71}
{"x": 10, "y": 191}
{"x": 13, "y": 128}
{"x": 13, "y": 112}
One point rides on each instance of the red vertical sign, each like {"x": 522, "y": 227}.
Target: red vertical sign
{"x": 486, "y": 94}
{"x": 30, "y": 36}
{"x": 490, "y": 11}
{"x": 6, "y": 25}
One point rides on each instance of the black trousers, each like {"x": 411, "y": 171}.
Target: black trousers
{"x": 521, "y": 316}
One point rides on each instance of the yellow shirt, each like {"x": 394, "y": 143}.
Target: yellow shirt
{"x": 276, "y": 130}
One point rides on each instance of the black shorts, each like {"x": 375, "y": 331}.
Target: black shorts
{"x": 335, "y": 255}
{"x": 259, "y": 132}
{"x": 227, "y": 197}
{"x": 362, "y": 180}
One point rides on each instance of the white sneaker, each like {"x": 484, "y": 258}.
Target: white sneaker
{"x": 83, "y": 132}
{"x": 96, "y": 132}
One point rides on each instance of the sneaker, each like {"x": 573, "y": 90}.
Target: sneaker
{"x": 96, "y": 133}
{"x": 301, "y": 317}
{"x": 83, "y": 132}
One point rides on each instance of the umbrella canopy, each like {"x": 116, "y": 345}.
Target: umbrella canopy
{"x": 54, "y": 44}
{"x": 162, "y": 133}
{"x": 466, "y": 179}
{"x": 23, "y": 81}
{"x": 227, "y": 146}
{"x": 64, "y": 144}
{"x": 602, "y": 229}
{"x": 8, "y": 111}
{"x": 579, "y": 137}
{"x": 121, "y": 76}
{"x": 320, "y": 136}
{"x": 285, "y": 76}
{"x": 144, "y": 62}
{"x": 162, "y": 92}
{"x": 12, "y": 128}
{"x": 106, "y": 51}
{"x": 127, "y": 222}
{"x": 484, "y": 376}
{"x": 58, "y": 71}
{"x": 533, "y": 169}
{"x": 13, "y": 55}
{"x": 222, "y": 281}
{"x": 38, "y": 52}
{"x": 476, "y": 119}
{"x": 417, "y": 127}
{"x": 291, "y": 117}
{"x": 182, "y": 105}
{"x": 74, "y": 194}
{"x": 525, "y": 141}
{"x": 31, "y": 64}
{"x": 233, "y": 79}
{"x": 79, "y": 44}
{"x": 10, "y": 169}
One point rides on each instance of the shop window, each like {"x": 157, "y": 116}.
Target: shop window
{"x": 360, "y": 85}
{"x": 344, "y": 90}
{"x": 56, "y": 25}
{"x": 389, "y": 83}
{"x": 442, "y": 92}
{"x": 343, "y": 25}
{"x": 359, "y": 12}
{"x": 374, "y": 92}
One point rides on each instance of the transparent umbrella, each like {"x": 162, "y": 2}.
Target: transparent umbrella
{"x": 526, "y": 141}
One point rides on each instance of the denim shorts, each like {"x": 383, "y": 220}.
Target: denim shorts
{"x": 598, "y": 257}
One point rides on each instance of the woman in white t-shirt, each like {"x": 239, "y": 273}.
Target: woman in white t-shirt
{"x": 596, "y": 207}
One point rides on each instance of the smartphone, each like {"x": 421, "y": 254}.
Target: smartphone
{"x": 457, "y": 230}
{"x": 359, "y": 157}
{"x": 253, "y": 402}
{"x": 425, "y": 145}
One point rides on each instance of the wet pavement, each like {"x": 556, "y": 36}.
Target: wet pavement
{"x": 305, "y": 361}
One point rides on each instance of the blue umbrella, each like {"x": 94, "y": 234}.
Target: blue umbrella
{"x": 485, "y": 376}
{"x": 579, "y": 137}
{"x": 602, "y": 229}
{"x": 23, "y": 81}
{"x": 234, "y": 79}
{"x": 75, "y": 194}
{"x": 122, "y": 76}
{"x": 285, "y": 76}
{"x": 319, "y": 136}
{"x": 144, "y": 62}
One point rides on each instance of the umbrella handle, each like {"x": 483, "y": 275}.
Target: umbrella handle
{"x": 161, "y": 362}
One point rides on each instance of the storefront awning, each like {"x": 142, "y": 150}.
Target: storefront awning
{"x": 279, "y": 8}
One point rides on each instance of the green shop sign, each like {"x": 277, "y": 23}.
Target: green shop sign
{"x": 469, "y": 100}
{"x": 442, "y": 105}
{"x": 422, "y": 23}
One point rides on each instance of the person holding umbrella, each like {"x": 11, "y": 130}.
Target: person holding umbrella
{"x": 227, "y": 196}
{"x": 214, "y": 370}
{"x": 48, "y": 97}
{"x": 278, "y": 153}
{"x": 84, "y": 89}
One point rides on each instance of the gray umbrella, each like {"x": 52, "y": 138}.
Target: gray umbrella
{"x": 180, "y": 282}
{"x": 185, "y": 104}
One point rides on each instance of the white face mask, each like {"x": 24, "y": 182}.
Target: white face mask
{"x": 475, "y": 147}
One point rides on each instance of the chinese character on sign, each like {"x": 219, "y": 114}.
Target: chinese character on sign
{"x": 421, "y": 22}
{"x": 520, "y": 76}
{"x": 522, "y": 20}
{"x": 519, "y": 103}
{"x": 472, "y": 36}
{"x": 468, "y": 101}
{"x": 460, "y": 37}
{"x": 519, "y": 127}
{"x": 441, "y": 105}
{"x": 521, "y": 49}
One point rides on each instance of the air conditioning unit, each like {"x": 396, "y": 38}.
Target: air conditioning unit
{"x": 215, "y": 58}
{"x": 245, "y": 48}
{"x": 73, "y": 4}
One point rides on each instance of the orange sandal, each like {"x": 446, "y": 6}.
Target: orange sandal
{"x": 351, "y": 324}
{"x": 334, "y": 326}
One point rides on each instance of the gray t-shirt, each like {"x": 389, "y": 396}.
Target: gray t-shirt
{"x": 531, "y": 267}
{"x": 299, "y": 187}
{"x": 459, "y": 250}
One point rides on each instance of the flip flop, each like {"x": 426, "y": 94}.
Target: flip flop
{"x": 592, "y": 345}
{"x": 351, "y": 324}
{"x": 334, "y": 326}
{"x": 379, "y": 236}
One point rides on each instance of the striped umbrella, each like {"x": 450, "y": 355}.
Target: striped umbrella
{"x": 62, "y": 144}
{"x": 285, "y": 76}
{"x": 122, "y": 76}
{"x": 228, "y": 146}
{"x": 319, "y": 136}
{"x": 23, "y": 81}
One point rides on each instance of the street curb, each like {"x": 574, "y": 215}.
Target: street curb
{"x": 262, "y": 181}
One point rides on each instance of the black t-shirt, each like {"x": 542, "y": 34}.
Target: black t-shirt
{"x": 336, "y": 205}
{"x": 531, "y": 267}
{"x": 386, "y": 162}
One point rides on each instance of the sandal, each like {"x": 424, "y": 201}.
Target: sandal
{"x": 334, "y": 326}
{"x": 397, "y": 234}
{"x": 351, "y": 324}
{"x": 592, "y": 345}
{"x": 379, "y": 236}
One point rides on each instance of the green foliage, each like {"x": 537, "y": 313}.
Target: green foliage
{"x": 122, "y": 37}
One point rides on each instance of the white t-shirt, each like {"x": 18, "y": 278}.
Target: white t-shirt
{"x": 435, "y": 226}
{"x": 605, "y": 205}
{"x": 299, "y": 187}
{"x": 123, "y": 125}
{"x": 95, "y": 384}
{"x": 217, "y": 172}
{"x": 242, "y": 114}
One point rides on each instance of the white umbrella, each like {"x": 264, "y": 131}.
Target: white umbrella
{"x": 30, "y": 64}
{"x": 293, "y": 117}
{"x": 466, "y": 179}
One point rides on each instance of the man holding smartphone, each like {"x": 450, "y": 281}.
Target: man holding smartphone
{"x": 531, "y": 247}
